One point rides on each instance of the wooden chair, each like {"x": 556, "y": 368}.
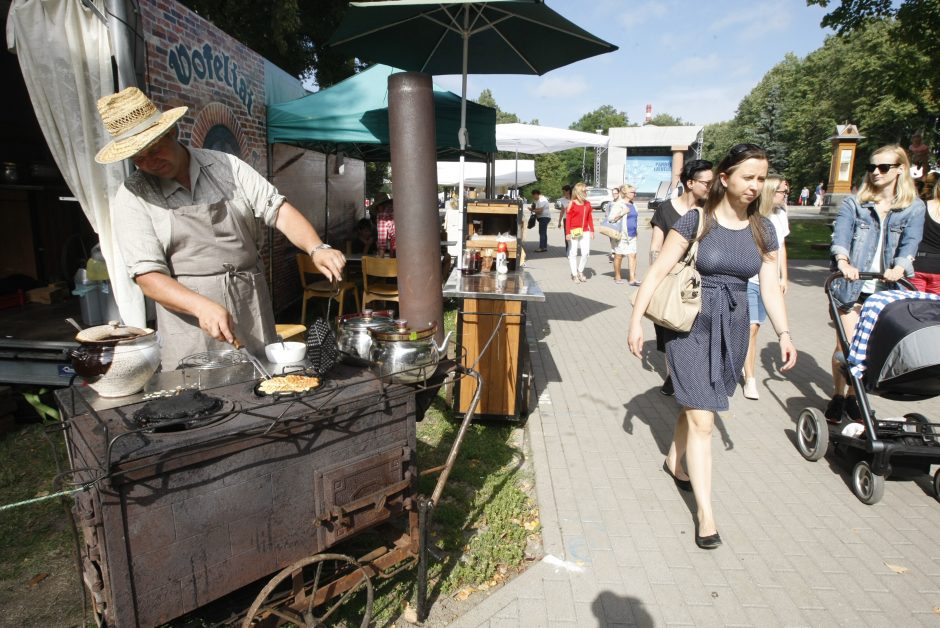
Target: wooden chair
{"x": 321, "y": 289}
{"x": 382, "y": 268}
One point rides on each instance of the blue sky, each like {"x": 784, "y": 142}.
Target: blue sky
{"x": 695, "y": 60}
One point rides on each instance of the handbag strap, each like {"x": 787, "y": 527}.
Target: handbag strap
{"x": 692, "y": 252}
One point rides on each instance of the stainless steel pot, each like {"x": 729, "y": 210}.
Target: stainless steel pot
{"x": 116, "y": 360}
{"x": 353, "y": 336}
{"x": 407, "y": 355}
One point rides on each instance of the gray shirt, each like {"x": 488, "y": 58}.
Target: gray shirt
{"x": 142, "y": 206}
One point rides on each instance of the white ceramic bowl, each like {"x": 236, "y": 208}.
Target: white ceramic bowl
{"x": 286, "y": 352}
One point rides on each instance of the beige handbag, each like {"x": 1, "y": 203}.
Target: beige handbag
{"x": 677, "y": 299}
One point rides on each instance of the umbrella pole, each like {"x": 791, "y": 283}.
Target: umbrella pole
{"x": 462, "y": 134}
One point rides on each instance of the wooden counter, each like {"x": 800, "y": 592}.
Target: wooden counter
{"x": 491, "y": 332}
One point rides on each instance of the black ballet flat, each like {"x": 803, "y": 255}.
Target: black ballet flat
{"x": 683, "y": 485}
{"x": 712, "y": 541}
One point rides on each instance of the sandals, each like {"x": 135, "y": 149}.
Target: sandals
{"x": 582, "y": 278}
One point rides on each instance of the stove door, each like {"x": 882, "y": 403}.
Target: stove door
{"x": 361, "y": 494}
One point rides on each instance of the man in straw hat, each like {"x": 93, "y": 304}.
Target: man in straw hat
{"x": 186, "y": 225}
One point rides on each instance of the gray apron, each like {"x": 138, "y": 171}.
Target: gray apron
{"x": 213, "y": 252}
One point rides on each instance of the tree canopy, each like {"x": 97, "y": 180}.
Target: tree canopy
{"x": 869, "y": 76}
{"x": 290, "y": 33}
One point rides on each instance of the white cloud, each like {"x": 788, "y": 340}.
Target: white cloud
{"x": 559, "y": 86}
{"x": 757, "y": 21}
{"x": 703, "y": 106}
{"x": 636, "y": 13}
{"x": 696, "y": 65}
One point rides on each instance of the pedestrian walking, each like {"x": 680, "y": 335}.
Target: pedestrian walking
{"x": 820, "y": 192}
{"x": 579, "y": 231}
{"x": 563, "y": 203}
{"x": 804, "y": 196}
{"x": 736, "y": 242}
{"x": 696, "y": 179}
{"x": 542, "y": 211}
{"x": 927, "y": 260}
{"x": 624, "y": 212}
{"x": 772, "y": 206}
{"x": 878, "y": 231}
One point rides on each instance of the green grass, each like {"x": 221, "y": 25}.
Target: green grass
{"x": 804, "y": 234}
{"x": 30, "y": 534}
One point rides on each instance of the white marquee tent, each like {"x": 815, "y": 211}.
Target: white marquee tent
{"x": 448, "y": 173}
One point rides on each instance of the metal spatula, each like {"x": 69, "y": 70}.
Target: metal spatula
{"x": 255, "y": 361}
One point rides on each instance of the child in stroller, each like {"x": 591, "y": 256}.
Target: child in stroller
{"x": 895, "y": 354}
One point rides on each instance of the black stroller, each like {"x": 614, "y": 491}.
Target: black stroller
{"x": 902, "y": 363}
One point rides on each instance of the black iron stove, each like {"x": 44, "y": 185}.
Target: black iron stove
{"x": 182, "y": 517}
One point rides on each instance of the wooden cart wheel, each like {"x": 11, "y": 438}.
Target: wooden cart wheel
{"x": 336, "y": 578}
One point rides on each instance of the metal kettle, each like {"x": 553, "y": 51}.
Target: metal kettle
{"x": 406, "y": 355}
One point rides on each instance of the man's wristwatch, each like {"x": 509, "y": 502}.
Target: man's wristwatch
{"x": 322, "y": 245}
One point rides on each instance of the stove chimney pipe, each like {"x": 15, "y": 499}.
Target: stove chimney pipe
{"x": 417, "y": 223}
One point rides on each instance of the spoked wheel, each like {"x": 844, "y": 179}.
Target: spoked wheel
{"x": 868, "y": 487}
{"x": 321, "y": 585}
{"x": 812, "y": 434}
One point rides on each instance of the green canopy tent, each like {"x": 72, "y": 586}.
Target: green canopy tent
{"x": 352, "y": 117}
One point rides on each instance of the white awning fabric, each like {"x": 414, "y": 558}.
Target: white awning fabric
{"x": 532, "y": 139}
{"x": 448, "y": 173}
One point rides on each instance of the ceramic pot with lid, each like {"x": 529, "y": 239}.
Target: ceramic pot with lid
{"x": 353, "y": 336}
{"x": 116, "y": 360}
{"x": 408, "y": 355}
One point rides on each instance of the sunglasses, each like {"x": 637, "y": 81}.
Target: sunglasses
{"x": 882, "y": 168}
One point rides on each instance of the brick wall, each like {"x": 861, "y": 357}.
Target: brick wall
{"x": 191, "y": 62}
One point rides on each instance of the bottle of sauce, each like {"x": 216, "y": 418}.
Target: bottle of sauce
{"x": 502, "y": 258}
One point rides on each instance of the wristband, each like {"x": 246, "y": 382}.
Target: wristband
{"x": 785, "y": 331}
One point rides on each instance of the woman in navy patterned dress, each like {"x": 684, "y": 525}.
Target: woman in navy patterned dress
{"x": 736, "y": 243}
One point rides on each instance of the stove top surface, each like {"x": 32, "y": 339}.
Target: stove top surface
{"x": 115, "y": 436}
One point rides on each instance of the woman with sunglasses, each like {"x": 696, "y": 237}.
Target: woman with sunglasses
{"x": 773, "y": 206}
{"x": 736, "y": 242}
{"x": 876, "y": 231}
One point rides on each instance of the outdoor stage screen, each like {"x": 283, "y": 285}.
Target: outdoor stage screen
{"x": 646, "y": 173}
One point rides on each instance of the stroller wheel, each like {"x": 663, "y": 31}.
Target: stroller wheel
{"x": 812, "y": 434}
{"x": 868, "y": 487}
{"x": 928, "y": 431}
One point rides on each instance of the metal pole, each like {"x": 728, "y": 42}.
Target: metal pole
{"x": 414, "y": 162}
{"x": 424, "y": 517}
{"x": 462, "y": 133}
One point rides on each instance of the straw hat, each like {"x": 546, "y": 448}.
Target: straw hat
{"x": 134, "y": 123}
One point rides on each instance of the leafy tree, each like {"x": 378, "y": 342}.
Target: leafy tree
{"x": 917, "y": 30}
{"x": 502, "y": 117}
{"x": 290, "y": 33}
{"x": 666, "y": 119}
{"x": 602, "y": 118}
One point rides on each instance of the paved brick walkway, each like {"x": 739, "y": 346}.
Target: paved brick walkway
{"x": 799, "y": 548}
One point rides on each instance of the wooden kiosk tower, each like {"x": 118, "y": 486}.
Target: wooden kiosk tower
{"x": 844, "y": 145}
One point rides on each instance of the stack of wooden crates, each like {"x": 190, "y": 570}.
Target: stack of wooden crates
{"x": 488, "y": 218}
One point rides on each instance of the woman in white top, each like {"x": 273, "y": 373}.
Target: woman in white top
{"x": 773, "y": 205}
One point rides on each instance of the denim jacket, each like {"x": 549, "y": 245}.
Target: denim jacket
{"x": 856, "y": 234}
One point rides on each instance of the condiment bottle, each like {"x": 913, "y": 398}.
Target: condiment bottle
{"x": 502, "y": 254}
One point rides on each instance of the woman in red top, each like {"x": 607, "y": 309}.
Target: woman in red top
{"x": 927, "y": 261}
{"x": 579, "y": 231}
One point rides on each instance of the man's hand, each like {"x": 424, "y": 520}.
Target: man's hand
{"x": 330, "y": 262}
{"x": 216, "y": 321}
